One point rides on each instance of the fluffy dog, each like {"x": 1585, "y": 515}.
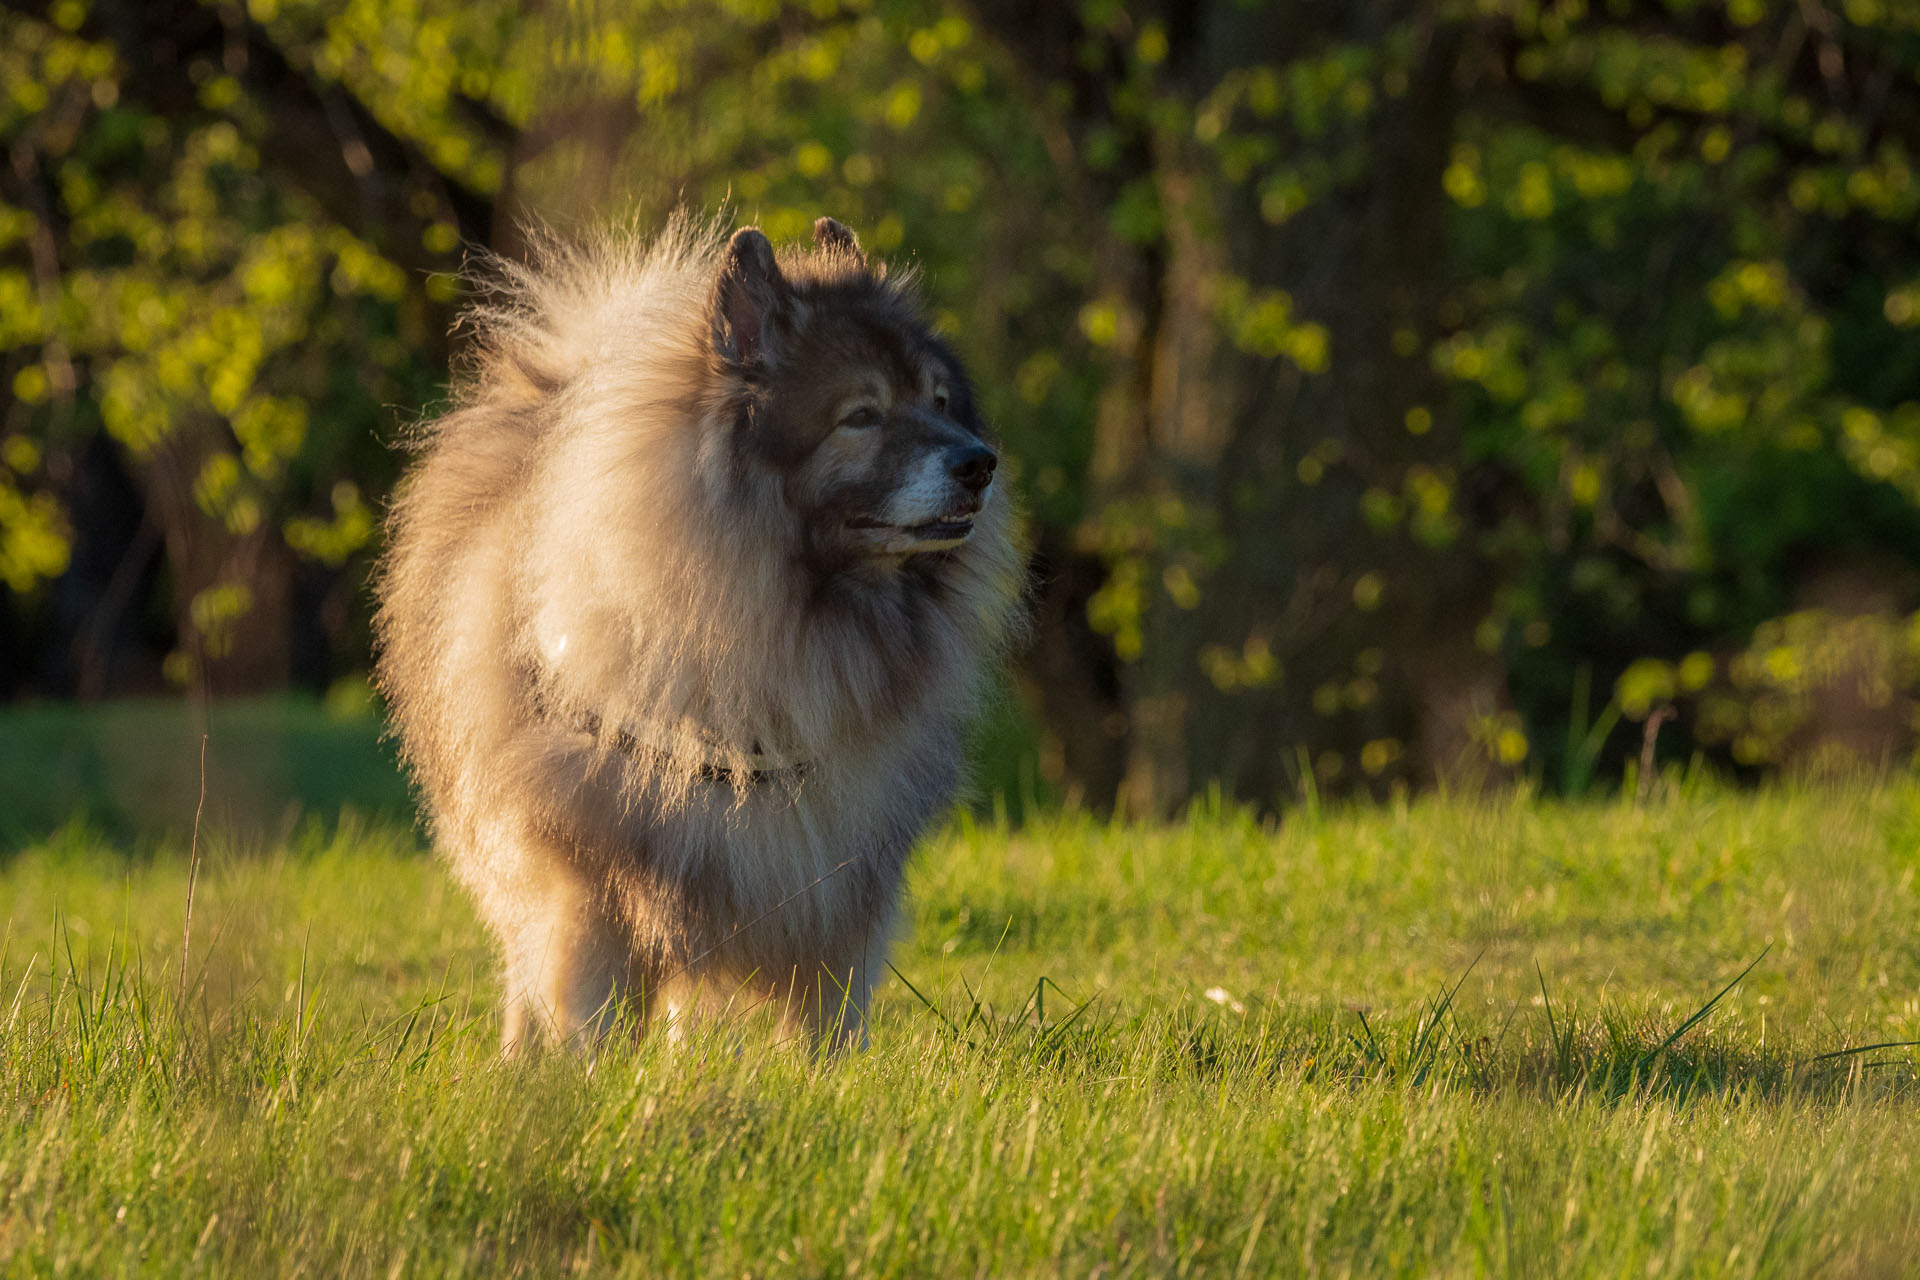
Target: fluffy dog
{"x": 684, "y": 607}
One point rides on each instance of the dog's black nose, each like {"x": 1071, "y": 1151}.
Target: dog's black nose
{"x": 973, "y": 466}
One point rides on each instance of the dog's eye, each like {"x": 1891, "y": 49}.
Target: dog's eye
{"x": 940, "y": 399}
{"x": 861, "y": 416}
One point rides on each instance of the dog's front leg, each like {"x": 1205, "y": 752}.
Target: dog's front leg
{"x": 568, "y": 968}
{"x": 827, "y": 1000}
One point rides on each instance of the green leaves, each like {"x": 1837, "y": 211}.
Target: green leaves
{"x": 1661, "y": 355}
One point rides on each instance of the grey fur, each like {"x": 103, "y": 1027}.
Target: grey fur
{"x": 633, "y": 520}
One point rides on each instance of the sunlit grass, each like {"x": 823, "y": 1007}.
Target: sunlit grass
{"x": 1460, "y": 1037}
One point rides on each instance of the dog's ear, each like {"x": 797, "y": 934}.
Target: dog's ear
{"x": 834, "y": 237}
{"x": 749, "y": 299}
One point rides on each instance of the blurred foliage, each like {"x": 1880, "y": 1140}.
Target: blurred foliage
{"x": 1668, "y": 342}
{"x": 1687, "y": 333}
{"x": 163, "y": 288}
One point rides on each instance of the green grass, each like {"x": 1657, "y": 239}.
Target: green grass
{"x": 1440, "y": 1041}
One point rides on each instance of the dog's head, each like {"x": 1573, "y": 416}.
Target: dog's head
{"x": 847, "y": 394}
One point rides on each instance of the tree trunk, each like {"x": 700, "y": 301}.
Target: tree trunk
{"x": 1294, "y": 622}
{"x": 232, "y": 594}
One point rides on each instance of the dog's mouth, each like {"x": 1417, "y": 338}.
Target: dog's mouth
{"x": 950, "y": 527}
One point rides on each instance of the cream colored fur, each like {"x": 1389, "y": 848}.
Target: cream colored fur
{"x": 577, "y": 538}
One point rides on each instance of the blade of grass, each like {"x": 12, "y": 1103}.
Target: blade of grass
{"x": 931, "y": 1006}
{"x": 193, "y": 877}
{"x": 1705, "y": 1009}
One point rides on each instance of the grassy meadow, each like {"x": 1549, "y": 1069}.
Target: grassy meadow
{"x": 1456, "y": 1037}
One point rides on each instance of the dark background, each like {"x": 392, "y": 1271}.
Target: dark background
{"x": 1400, "y": 392}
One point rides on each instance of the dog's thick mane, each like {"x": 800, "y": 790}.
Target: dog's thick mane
{"x": 590, "y": 533}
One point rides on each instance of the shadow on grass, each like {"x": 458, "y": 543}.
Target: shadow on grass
{"x": 131, "y": 770}
{"x": 1614, "y": 1054}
